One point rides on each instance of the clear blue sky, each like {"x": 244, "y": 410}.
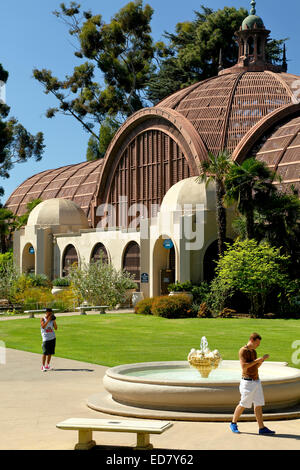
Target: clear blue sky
{"x": 31, "y": 36}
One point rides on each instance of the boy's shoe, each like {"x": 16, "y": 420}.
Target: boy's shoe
{"x": 234, "y": 428}
{"x": 47, "y": 367}
{"x": 265, "y": 431}
{"x": 43, "y": 368}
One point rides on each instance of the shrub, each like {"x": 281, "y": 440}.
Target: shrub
{"x": 204, "y": 311}
{"x": 227, "y": 313}
{"x": 186, "y": 286}
{"x": 176, "y": 306}
{"x": 144, "y": 307}
{"x": 200, "y": 293}
{"x": 100, "y": 283}
{"x": 8, "y": 278}
{"x": 39, "y": 280}
{"x": 219, "y": 296}
{"x": 6, "y": 257}
{"x": 253, "y": 269}
{"x": 61, "y": 282}
{"x": 34, "y": 297}
{"x": 65, "y": 300}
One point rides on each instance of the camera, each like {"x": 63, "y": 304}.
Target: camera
{"x": 53, "y": 317}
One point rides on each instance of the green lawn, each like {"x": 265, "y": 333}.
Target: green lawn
{"x": 114, "y": 339}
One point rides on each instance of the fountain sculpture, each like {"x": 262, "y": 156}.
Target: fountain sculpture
{"x": 204, "y": 387}
{"x": 204, "y": 360}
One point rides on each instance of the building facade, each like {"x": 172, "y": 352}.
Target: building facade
{"x": 141, "y": 207}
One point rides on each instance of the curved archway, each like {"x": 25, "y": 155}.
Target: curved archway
{"x": 210, "y": 258}
{"x": 100, "y": 253}
{"x": 209, "y": 261}
{"x": 246, "y": 144}
{"x": 28, "y": 259}
{"x": 154, "y": 149}
{"x": 132, "y": 261}
{"x": 70, "y": 257}
{"x": 164, "y": 266}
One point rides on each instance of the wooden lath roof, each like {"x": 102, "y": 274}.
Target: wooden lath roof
{"x": 281, "y": 152}
{"x": 78, "y": 182}
{"x": 223, "y": 109}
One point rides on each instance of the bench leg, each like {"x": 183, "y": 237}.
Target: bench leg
{"x": 143, "y": 441}
{"x": 85, "y": 441}
{"x": 102, "y": 311}
{"x": 82, "y": 312}
{"x": 31, "y": 315}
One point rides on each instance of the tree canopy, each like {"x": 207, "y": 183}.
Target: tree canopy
{"x": 122, "y": 69}
{"x": 192, "y": 53}
{"x": 117, "y": 57}
{"x": 17, "y": 145}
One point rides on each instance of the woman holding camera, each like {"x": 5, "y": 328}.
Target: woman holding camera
{"x": 48, "y": 325}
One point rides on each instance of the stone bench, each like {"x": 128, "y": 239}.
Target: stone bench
{"x": 43, "y": 310}
{"x": 84, "y": 308}
{"x": 85, "y": 428}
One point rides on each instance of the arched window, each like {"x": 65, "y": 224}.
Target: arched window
{"x": 250, "y": 46}
{"x": 259, "y": 48}
{"x": 99, "y": 253}
{"x": 70, "y": 258}
{"x": 149, "y": 166}
{"x": 132, "y": 261}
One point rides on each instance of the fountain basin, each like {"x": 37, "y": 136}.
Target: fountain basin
{"x": 174, "y": 386}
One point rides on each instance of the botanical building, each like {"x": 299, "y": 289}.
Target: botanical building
{"x": 141, "y": 206}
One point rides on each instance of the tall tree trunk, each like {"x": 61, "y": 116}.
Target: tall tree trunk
{"x": 250, "y": 217}
{"x": 221, "y": 218}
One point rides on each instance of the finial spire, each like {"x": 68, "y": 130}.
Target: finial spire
{"x": 253, "y": 9}
{"x": 284, "y": 60}
{"x": 221, "y": 66}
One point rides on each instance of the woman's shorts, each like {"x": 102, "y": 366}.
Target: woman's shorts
{"x": 49, "y": 347}
{"x": 251, "y": 393}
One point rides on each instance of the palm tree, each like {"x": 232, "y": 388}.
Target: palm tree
{"x": 7, "y": 219}
{"x": 249, "y": 184}
{"x": 216, "y": 169}
{"x": 278, "y": 221}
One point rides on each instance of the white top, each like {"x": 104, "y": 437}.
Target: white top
{"x": 48, "y": 333}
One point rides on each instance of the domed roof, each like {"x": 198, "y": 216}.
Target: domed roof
{"x": 252, "y": 21}
{"x": 78, "y": 183}
{"x": 223, "y": 109}
{"x": 58, "y": 212}
{"x": 280, "y": 150}
{"x": 189, "y": 192}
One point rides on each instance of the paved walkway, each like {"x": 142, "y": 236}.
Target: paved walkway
{"x": 64, "y": 314}
{"x": 32, "y": 402}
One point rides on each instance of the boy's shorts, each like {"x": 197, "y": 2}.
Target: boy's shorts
{"x": 251, "y": 393}
{"x": 49, "y": 347}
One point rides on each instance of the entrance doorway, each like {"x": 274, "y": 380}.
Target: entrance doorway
{"x": 164, "y": 267}
{"x": 28, "y": 259}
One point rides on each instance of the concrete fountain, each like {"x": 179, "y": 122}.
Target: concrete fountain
{"x": 202, "y": 388}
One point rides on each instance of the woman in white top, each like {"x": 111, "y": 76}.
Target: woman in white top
{"x": 48, "y": 325}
